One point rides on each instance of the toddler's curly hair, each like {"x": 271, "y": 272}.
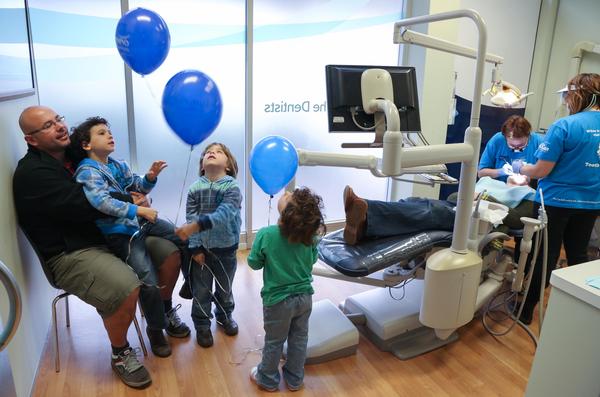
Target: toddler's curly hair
{"x": 302, "y": 218}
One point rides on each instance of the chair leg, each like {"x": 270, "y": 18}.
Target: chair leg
{"x": 140, "y": 307}
{"x": 139, "y": 332}
{"x": 67, "y": 311}
{"x": 55, "y": 328}
{"x": 55, "y": 331}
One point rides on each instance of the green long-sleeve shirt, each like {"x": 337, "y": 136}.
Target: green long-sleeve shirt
{"x": 286, "y": 267}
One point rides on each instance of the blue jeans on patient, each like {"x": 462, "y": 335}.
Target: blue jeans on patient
{"x": 223, "y": 264}
{"x": 132, "y": 250}
{"x": 285, "y": 320}
{"x": 409, "y": 216}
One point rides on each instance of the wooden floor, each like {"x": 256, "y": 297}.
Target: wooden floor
{"x": 478, "y": 364}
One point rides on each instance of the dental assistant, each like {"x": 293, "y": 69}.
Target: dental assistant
{"x": 568, "y": 169}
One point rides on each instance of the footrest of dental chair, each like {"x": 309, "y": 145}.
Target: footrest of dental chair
{"x": 330, "y": 334}
{"x": 372, "y": 255}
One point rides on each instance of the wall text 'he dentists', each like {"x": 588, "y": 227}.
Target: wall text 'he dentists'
{"x": 288, "y": 107}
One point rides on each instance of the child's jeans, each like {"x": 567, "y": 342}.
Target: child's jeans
{"x": 133, "y": 252}
{"x": 215, "y": 276}
{"x": 287, "y": 319}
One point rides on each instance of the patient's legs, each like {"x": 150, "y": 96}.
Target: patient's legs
{"x": 372, "y": 218}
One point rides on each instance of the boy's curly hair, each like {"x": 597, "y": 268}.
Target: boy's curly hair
{"x": 302, "y": 218}
{"x": 80, "y": 135}
{"x": 232, "y": 166}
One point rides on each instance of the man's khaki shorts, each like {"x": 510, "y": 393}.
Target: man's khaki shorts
{"x": 101, "y": 279}
{"x": 95, "y": 276}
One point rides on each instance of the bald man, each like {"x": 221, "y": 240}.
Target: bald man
{"x": 53, "y": 211}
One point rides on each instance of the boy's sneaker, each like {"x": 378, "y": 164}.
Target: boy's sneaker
{"x": 158, "y": 343}
{"x": 186, "y": 292}
{"x": 129, "y": 369}
{"x": 204, "y": 337}
{"x": 229, "y": 326}
{"x": 175, "y": 327}
{"x": 253, "y": 374}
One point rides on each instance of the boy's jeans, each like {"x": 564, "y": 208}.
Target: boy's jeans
{"x": 221, "y": 263}
{"x": 287, "y": 319}
{"x": 135, "y": 255}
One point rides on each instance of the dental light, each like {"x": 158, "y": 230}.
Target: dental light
{"x": 503, "y": 93}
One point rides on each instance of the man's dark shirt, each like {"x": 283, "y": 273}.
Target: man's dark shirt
{"x": 52, "y": 208}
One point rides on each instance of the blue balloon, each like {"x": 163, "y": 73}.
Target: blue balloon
{"x": 273, "y": 163}
{"x": 192, "y": 105}
{"x": 143, "y": 40}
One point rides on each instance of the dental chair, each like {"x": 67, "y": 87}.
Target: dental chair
{"x": 389, "y": 316}
{"x": 410, "y": 316}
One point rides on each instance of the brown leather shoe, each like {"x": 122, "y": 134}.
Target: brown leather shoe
{"x": 349, "y": 197}
{"x": 356, "y": 216}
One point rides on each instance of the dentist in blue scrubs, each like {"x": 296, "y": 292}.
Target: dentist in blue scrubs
{"x": 568, "y": 169}
{"x": 513, "y": 143}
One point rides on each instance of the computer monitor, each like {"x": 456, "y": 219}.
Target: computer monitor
{"x": 344, "y": 100}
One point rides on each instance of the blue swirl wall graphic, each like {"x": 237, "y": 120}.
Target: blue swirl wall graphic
{"x": 98, "y": 32}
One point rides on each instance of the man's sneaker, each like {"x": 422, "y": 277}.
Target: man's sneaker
{"x": 176, "y": 328}
{"x": 185, "y": 292}
{"x": 229, "y": 326}
{"x": 253, "y": 374}
{"x": 129, "y": 369}
{"x": 158, "y": 343}
{"x": 204, "y": 337}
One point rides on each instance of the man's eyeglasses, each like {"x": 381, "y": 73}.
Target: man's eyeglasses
{"x": 48, "y": 124}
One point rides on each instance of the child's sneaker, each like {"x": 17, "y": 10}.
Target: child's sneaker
{"x": 186, "y": 292}
{"x": 253, "y": 374}
{"x": 175, "y": 327}
{"x": 204, "y": 337}
{"x": 129, "y": 369}
{"x": 229, "y": 326}
{"x": 294, "y": 388}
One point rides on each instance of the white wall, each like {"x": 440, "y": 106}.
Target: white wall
{"x": 26, "y": 347}
{"x": 576, "y": 20}
{"x": 511, "y": 26}
{"x": 434, "y": 77}
{"x": 436, "y": 83}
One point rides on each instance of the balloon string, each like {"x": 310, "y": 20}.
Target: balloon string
{"x": 152, "y": 94}
{"x": 187, "y": 169}
{"x": 269, "y": 211}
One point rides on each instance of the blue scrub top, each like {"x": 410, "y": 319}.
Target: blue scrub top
{"x": 497, "y": 153}
{"x": 573, "y": 143}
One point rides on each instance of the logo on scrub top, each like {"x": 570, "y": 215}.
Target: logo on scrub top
{"x": 544, "y": 148}
{"x": 598, "y": 151}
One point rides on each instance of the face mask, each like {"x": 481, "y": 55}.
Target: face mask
{"x": 563, "y": 109}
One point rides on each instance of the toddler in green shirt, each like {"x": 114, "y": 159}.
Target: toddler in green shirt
{"x": 287, "y": 252}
